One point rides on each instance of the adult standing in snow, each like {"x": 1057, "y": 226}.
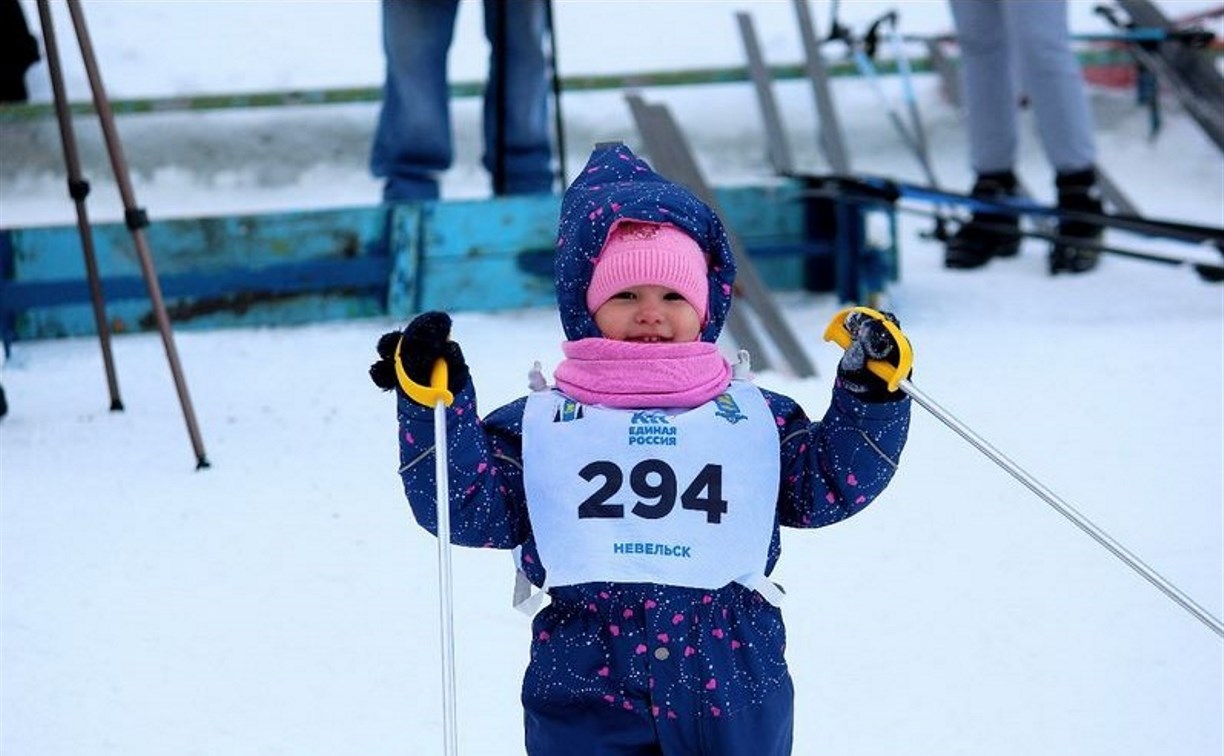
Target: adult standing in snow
{"x": 663, "y": 634}
{"x": 996, "y": 37}
{"x": 412, "y": 143}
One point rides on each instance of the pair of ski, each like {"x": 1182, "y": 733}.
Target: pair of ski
{"x": 878, "y": 190}
{"x": 844, "y": 184}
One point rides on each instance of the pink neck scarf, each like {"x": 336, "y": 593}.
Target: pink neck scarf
{"x": 633, "y": 375}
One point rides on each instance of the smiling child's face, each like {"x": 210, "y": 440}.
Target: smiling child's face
{"x": 648, "y": 314}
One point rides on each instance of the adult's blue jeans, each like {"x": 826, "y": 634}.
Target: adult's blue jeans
{"x": 412, "y": 143}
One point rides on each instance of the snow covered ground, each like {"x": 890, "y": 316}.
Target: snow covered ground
{"x": 283, "y": 601}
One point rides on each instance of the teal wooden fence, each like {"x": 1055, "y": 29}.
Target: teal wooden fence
{"x": 290, "y": 268}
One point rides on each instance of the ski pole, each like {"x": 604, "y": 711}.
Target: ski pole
{"x": 78, "y": 190}
{"x": 136, "y": 220}
{"x": 910, "y": 96}
{"x": 867, "y": 67}
{"x": 895, "y": 376}
{"x": 911, "y": 102}
{"x": 443, "y": 399}
{"x": 437, "y": 396}
{"x": 437, "y": 382}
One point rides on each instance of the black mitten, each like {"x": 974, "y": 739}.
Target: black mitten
{"x": 870, "y": 340}
{"x": 421, "y": 344}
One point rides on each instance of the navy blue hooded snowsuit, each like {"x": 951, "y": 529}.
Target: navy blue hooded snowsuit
{"x": 627, "y": 668}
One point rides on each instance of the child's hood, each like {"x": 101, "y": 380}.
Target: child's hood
{"x": 617, "y": 185}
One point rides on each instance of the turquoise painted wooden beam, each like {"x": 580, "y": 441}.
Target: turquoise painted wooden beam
{"x": 491, "y": 254}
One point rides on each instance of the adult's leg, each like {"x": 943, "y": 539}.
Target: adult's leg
{"x": 991, "y": 115}
{"x": 989, "y": 85}
{"x": 1051, "y": 76}
{"x": 527, "y": 158}
{"x": 412, "y": 143}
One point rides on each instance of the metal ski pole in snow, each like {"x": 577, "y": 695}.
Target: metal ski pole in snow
{"x": 895, "y": 376}
{"x": 437, "y": 396}
{"x": 135, "y": 217}
{"x": 445, "y": 580}
{"x": 861, "y": 52}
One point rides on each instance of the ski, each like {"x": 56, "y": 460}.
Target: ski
{"x": 1159, "y": 33}
{"x": 1210, "y": 272}
{"x": 887, "y": 190}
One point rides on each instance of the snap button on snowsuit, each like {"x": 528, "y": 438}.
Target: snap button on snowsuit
{"x": 662, "y": 653}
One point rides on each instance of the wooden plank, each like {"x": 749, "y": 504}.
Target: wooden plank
{"x": 332, "y": 264}
{"x": 195, "y": 244}
{"x": 497, "y": 254}
{"x": 364, "y": 275}
{"x": 404, "y": 247}
{"x": 33, "y": 111}
{"x": 770, "y": 221}
{"x": 831, "y": 141}
{"x": 674, "y": 158}
{"x": 651, "y": 124}
{"x": 775, "y": 135}
{"x": 247, "y": 269}
{"x": 236, "y": 309}
{"x": 18, "y": 112}
{"x": 489, "y": 254}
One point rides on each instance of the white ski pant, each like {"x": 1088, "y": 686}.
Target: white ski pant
{"x": 1013, "y": 46}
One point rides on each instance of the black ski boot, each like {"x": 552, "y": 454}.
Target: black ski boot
{"x": 1078, "y": 193}
{"x": 987, "y": 234}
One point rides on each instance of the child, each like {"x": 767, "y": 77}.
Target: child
{"x": 644, "y": 492}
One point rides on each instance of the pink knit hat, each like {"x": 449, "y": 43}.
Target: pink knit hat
{"x": 639, "y": 253}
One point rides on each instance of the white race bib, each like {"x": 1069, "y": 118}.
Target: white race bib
{"x": 678, "y": 497}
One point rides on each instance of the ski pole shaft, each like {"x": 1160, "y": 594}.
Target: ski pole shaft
{"x": 438, "y": 396}
{"x": 78, "y": 190}
{"x": 892, "y": 374}
{"x": 445, "y": 581}
{"x": 871, "y": 73}
{"x": 1062, "y": 507}
{"x": 441, "y": 398}
{"x": 911, "y": 101}
{"x": 136, "y": 221}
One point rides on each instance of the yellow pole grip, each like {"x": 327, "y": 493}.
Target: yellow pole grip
{"x": 890, "y": 374}
{"x": 429, "y": 395}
